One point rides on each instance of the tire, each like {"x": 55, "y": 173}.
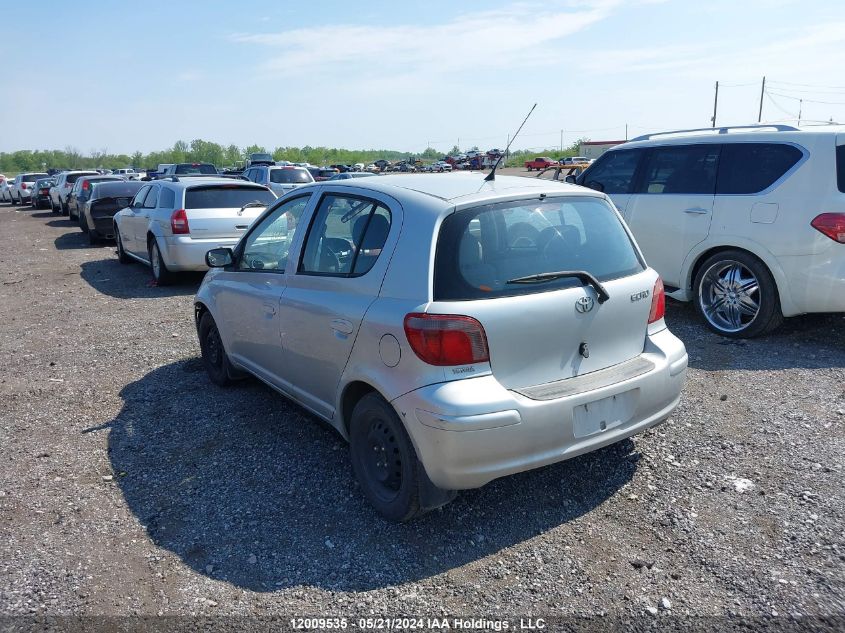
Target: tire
{"x": 161, "y": 274}
{"x": 736, "y": 295}
{"x": 384, "y": 460}
{"x": 71, "y": 216}
{"x": 214, "y": 356}
{"x": 122, "y": 257}
{"x": 83, "y": 224}
{"x": 53, "y": 207}
{"x": 64, "y": 208}
{"x": 12, "y": 200}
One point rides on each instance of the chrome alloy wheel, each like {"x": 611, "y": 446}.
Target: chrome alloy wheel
{"x": 729, "y": 296}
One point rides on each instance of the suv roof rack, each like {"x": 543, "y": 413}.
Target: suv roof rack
{"x": 721, "y": 130}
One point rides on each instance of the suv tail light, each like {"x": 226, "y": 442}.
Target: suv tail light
{"x": 86, "y": 184}
{"x": 23, "y": 185}
{"x": 179, "y": 222}
{"x": 446, "y": 339}
{"x": 658, "y": 302}
{"x": 832, "y": 225}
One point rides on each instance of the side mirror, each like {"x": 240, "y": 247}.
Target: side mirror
{"x": 219, "y": 257}
{"x": 570, "y": 179}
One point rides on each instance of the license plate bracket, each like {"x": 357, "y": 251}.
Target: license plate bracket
{"x": 603, "y": 415}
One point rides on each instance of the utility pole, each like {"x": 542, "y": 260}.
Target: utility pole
{"x": 762, "y": 92}
{"x": 626, "y": 131}
{"x": 561, "y": 140}
{"x": 800, "y": 107}
{"x": 715, "y": 103}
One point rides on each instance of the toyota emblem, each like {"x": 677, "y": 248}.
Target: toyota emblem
{"x": 584, "y": 304}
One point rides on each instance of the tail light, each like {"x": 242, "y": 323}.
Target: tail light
{"x": 86, "y": 184}
{"x": 23, "y": 185}
{"x": 179, "y": 222}
{"x": 446, "y": 339}
{"x": 658, "y": 302}
{"x": 832, "y": 225}
{"x": 43, "y": 192}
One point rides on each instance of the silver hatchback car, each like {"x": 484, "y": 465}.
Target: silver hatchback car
{"x": 453, "y": 330}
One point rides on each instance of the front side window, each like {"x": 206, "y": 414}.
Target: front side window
{"x": 483, "y": 251}
{"x": 152, "y": 199}
{"x": 266, "y": 248}
{"x": 753, "y": 167}
{"x": 346, "y": 236}
{"x": 138, "y": 200}
{"x": 840, "y": 167}
{"x": 681, "y": 169}
{"x": 613, "y": 172}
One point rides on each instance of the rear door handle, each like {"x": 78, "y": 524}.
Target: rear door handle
{"x": 342, "y": 325}
{"x": 696, "y": 210}
{"x": 269, "y": 308}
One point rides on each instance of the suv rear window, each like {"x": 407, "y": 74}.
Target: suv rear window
{"x": 480, "y": 250}
{"x": 225, "y": 197}
{"x": 290, "y": 175}
{"x": 840, "y": 167}
{"x": 198, "y": 168}
{"x": 32, "y": 177}
{"x": 752, "y": 167}
{"x": 72, "y": 178}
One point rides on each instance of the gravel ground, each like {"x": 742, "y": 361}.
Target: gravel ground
{"x": 132, "y": 485}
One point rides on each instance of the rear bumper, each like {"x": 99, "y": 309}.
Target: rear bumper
{"x": 464, "y": 444}
{"x": 184, "y": 253}
{"x": 104, "y": 226}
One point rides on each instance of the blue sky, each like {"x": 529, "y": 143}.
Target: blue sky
{"x": 138, "y": 76}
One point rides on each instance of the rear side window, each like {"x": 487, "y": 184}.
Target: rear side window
{"x": 166, "y": 199}
{"x": 613, "y": 172}
{"x": 225, "y": 197}
{"x": 346, "y": 236}
{"x": 152, "y": 199}
{"x": 753, "y": 167}
{"x": 481, "y": 251}
{"x": 689, "y": 169}
{"x": 840, "y": 167}
{"x": 290, "y": 176}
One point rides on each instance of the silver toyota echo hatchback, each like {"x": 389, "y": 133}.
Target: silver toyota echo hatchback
{"x": 454, "y": 330}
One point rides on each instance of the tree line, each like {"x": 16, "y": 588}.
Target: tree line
{"x": 200, "y": 151}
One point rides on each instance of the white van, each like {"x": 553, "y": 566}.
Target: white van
{"x": 748, "y": 222}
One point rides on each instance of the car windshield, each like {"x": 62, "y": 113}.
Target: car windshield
{"x": 279, "y": 176}
{"x": 480, "y": 250}
{"x": 225, "y": 196}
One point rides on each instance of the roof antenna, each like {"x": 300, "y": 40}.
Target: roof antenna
{"x": 492, "y": 174}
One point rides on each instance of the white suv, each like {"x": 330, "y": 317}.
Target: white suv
{"x": 748, "y": 222}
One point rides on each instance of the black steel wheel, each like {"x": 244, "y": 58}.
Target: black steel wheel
{"x": 214, "y": 356}
{"x": 384, "y": 459}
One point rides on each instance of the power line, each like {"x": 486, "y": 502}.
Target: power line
{"x": 753, "y": 83}
{"x": 790, "y": 83}
{"x": 803, "y": 91}
{"x": 778, "y": 106}
{"x": 778, "y": 94}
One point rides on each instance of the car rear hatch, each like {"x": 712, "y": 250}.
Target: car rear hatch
{"x": 218, "y": 211}
{"x": 107, "y": 207}
{"x": 545, "y": 329}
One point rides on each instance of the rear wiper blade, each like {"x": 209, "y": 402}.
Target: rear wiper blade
{"x": 583, "y": 275}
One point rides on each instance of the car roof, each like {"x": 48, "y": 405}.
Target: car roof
{"x": 185, "y": 182}
{"x": 467, "y": 187}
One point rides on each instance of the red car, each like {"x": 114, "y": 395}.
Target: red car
{"x": 541, "y": 162}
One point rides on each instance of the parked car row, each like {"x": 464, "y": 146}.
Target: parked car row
{"x": 409, "y": 310}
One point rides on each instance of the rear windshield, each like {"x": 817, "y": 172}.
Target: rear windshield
{"x": 290, "y": 175}
{"x": 195, "y": 169}
{"x": 33, "y": 177}
{"x": 112, "y": 189}
{"x": 225, "y": 197}
{"x": 840, "y": 167}
{"x": 480, "y": 250}
{"x": 72, "y": 178}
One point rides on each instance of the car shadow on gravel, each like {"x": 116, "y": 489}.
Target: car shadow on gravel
{"x": 133, "y": 280}
{"x": 810, "y": 341}
{"x": 246, "y": 487}
{"x": 44, "y": 214}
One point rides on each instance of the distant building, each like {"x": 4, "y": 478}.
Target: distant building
{"x": 594, "y": 149}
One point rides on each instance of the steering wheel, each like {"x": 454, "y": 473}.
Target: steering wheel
{"x": 329, "y": 261}
{"x": 522, "y": 235}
